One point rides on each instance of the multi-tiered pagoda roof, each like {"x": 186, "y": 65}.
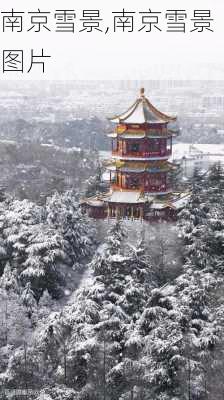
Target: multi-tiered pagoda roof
{"x": 140, "y": 168}
{"x": 142, "y": 112}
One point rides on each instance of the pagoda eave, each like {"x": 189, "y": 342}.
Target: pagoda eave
{"x": 154, "y": 194}
{"x": 141, "y": 166}
{"x": 143, "y": 159}
{"x": 147, "y": 134}
{"x": 122, "y": 204}
{"x": 118, "y": 120}
{"x": 142, "y": 112}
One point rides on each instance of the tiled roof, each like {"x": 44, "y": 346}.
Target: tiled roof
{"x": 142, "y": 111}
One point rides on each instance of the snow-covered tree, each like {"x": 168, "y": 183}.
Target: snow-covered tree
{"x": 64, "y": 214}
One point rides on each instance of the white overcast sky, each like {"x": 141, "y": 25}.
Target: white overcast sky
{"x": 137, "y": 55}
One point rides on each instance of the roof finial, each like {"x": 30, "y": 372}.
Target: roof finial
{"x": 142, "y": 92}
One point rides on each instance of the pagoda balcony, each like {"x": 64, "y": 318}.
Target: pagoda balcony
{"x": 142, "y": 154}
{"x": 115, "y": 186}
{"x": 142, "y": 128}
{"x": 147, "y": 189}
{"x": 158, "y": 189}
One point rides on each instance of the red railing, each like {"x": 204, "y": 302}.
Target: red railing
{"x": 157, "y": 189}
{"x": 142, "y": 154}
{"x": 148, "y": 189}
{"x": 126, "y": 188}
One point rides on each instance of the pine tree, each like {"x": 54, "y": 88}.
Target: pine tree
{"x": 64, "y": 215}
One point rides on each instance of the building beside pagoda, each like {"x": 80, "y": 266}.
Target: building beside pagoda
{"x": 140, "y": 172}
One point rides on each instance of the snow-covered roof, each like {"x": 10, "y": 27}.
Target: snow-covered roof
{"x": 93, "y": 201}
{"x": 132, "y": 197}
{"x": 133, "y": 136}
{"x": 158, "y": 205}
{"x": 181, "y": 202}
{"x": 190, "y": 151}
{"x": 174, "y": 203}
{"x": 112, "y": 168}
{"x": 145, "y": 159}
{"x": 128, "y": 135}
{"x": 147, "y": 134}
{"x": 142, "y": 111}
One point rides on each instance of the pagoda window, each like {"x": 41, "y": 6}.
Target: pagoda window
{"x": 155, "y": 145}
{"x": 156, "y": 179}
{"x": 135, "y": 147}
{"x": 133, "y": 182}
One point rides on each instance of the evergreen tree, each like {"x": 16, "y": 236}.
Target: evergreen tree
{"x": 64, "y": 215}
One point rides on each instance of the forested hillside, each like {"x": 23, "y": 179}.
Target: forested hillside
{"x": 148, "y": 322}
{"x": 34, "y": 171}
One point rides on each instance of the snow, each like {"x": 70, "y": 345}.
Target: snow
{"x": 133, "y": 115}
{"x": 141, "y": 115}
{"x": 220, "y": 132}
{"x": 95, "y": 202}
{"x": 111, "y": 168}
{"x": 73, "y": 149}
{"x": 190, "y": 151}
{"x": 117, "y": 258}
{"x": 168, "y": 290}
{"x": 138, "y": 158}
{"x": 132, "y": 136}
{"x": 116, "y": 312}
{"x": 158, "y": 205}
{"x": 182, "y": 202}
{"x": 136, "y": 117}
{"x": 11, "y": 142}
{"x": 126, "y": 197}
{"x": 44, "y": 396}
{"x": 140, "y": 112}
{"x": 106, "y": 176}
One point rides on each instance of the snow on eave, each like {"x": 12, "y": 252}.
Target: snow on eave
{"x": 126, "y": 196}
{"x": 158, "y": 206}
{"x": 181, "y": 202}
{"x": 118, "y": 118}
{"x": 93, "y": 201}
{"x": 142, "y": 111}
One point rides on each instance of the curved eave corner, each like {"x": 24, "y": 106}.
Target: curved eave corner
{"x": 122, "y": 117}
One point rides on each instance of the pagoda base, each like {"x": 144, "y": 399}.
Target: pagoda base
{"x": 135, "y": 206}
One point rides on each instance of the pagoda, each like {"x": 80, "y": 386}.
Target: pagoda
{"x": 140, "y": 173}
